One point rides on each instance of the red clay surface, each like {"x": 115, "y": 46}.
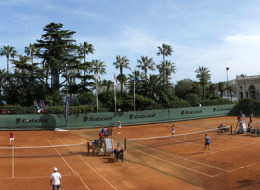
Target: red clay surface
{"x": 233, "y": 162}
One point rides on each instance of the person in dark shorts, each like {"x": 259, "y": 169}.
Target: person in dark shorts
{"x": 119, "y": 154}
{"x": 251, "y": 117}
{"x": 55, "y": 180}
{"x": 207, "y": 142}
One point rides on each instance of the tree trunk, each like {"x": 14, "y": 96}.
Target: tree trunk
{"x": 121, "y": 88}
{"x": 203, "y": 92}
{"x": 7, "y": 64}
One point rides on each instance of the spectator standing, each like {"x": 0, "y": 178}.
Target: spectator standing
{"x": 119, "y": 126}
{"x": 251, "y": 117}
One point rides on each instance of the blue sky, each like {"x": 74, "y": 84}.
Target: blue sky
{"x": 210, "y": 33}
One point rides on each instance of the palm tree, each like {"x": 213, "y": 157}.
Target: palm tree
{"x": 22, "y": 64}
{"x": 146, "y": 63}
{"x": 165, "y": 51}
{"x": 195, "y": 87}
{"x": 204, "y": 76}
{"x": 212, "y": 89}
{"x": 122, "y": 79}
{"x": 8, "y": 51}
{"x": 108, "y": 84}
{"x": 169, "y": 69}
{"x": 84, "y": 50}
{"x": 230, "y": 90}
{"x": 221, "y": 88}
{"x": 3, "y": 76}
{"x": 98, "y": 67}
{"x": 30, "y": 50}
{"x": 158, "y": 91}
{"x": 121, "y": 62}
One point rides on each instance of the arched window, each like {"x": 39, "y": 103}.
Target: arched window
{"x": 252, "y": 93}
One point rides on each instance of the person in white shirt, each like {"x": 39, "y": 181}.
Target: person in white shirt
{"x": 55, "y": 180}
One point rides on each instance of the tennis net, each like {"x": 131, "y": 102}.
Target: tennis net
{"x": 255, "y": 124}
{"x": 159, "y": 141}
{"x": 43, "y": 151}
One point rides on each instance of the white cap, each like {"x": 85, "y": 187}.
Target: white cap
{"x": 55, "y": 169}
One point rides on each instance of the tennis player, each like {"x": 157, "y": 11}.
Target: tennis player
{"x": 11, "y": 143}
{"x": 173, "y": 131}
{"x": 207, "y": 142}
{"x": 119, "y": 126}
{"x": 55, "y": 180}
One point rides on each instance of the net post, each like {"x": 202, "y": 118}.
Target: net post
{"x": 231, "y": 130}
{"x": 88, "y": 147}
{"x": 125, "y": 143}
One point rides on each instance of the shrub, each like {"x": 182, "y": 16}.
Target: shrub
{"x": 248, "y": 106}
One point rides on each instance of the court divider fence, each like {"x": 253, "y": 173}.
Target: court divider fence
{"x": 91, "y": 120}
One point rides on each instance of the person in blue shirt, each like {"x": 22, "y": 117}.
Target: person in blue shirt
{"x": 103, "y": 130}
{"x": 102, "y": 133}
{"x": 173, "y": 131}
{"x": 207, "y": 142}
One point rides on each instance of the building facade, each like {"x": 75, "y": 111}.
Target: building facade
{"x": 248, "y": 87}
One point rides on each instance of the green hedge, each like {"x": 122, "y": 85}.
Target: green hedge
{"x": 247, "y": 106}
{"x": 50, "y": 109}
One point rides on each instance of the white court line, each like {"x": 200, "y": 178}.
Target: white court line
{"x": 238, "y": 168}
{"x": 37, "y": 177}
{"x": 181, "y": 158}
{"x": 222, "y": 150}
{"x": 27, "y": 147}
{"x": 93, "y": 169}
{"x": 13, "y": 162}
{"x": 175, "y": 164}
{"x": 179, "y": 135}
{"x": 229, "y": 139}
{"x": 76, "y": 172}
{"x": 97, "y": 173}
{"x": 62, "y": 157}
{"x": 198, "y": 144}
{"x": 83, "y": 181}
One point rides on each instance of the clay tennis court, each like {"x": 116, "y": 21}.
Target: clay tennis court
{"x": 233, "y": 162}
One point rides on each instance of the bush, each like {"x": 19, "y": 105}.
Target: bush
{"x": 218, "y": 101}
{"x": 50, "y": 109}
{"x": 179, "y": 104}
{"x": 194, "y": 99}
{"x": 247, "y": 106}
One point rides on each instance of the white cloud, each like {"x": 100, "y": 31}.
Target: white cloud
{"x": 137, "y": 41}
{"x": 90, "y": 15}
{"x": 251, "y": 40}
{"x": 239, "y": 52}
